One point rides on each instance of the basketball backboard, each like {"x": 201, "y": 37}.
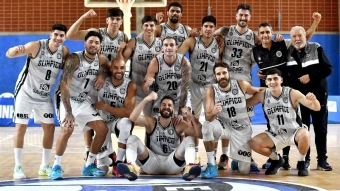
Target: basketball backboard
{"x": 113, "y": 3}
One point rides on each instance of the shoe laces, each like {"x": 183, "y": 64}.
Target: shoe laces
{"x": 19, "y": 169}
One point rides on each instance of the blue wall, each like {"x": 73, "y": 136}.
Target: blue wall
{"x": 12, "y": 67}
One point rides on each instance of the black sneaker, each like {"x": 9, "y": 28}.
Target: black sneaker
{"x": 286, "y": 165}
{"x": 323, "y": 165}
{"x": 301, "y": 166}
{"x": 307, "y": 164}
{"x": 274, "y": 166}
{"x": 267, "y": 164}
{"x": 223, "y": 163}
{"x": 113, "y": 157}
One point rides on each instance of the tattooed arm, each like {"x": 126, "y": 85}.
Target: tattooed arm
{"x": 186, "y": 76}
{"x": 223, "y": 31}
{"x": 220, "y": 35}
{"x": 71, "y": 64}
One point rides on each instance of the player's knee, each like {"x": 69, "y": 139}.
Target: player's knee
{"x": 189, "y": 141}
{"x": 102, "y": 129}
{"x": 20, "y": 128}
{"x": 207, "y": 131}
{"x": 103, "y": 163}
{"x": 244, "y": 167}
{"x": 124, "y": 126}
{"x": 132, "y": 139}
{"x": 66, "y": 131}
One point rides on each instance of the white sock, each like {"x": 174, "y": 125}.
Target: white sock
{"x": 301, "y": 157}
{"x": 90, "y": 159}
{"x": 131, "y": 156}
{"x": 274, "y": 156}
{"x": 57, "y": 160}
{"x": 120, "y": 154}
{"x": 18, "y": 156}
{"x": 87, "y": 148}
{"x": 210, "y": 156}
{"x": 225, "y": 150}
{"x": 188, "y": 155}
{"x": 45, "y": 160}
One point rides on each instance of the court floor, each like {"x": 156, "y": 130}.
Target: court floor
{"x": 73, "y": 160}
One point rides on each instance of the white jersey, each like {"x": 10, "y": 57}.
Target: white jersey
{"x": 203, "y": 59}
{"x": 110, "y": 46}
{"x": 83, "y": 78}
{"x": 40, "y": 73}
{"x": 140, "y": 60}
{"x": 237, "y": 53}
{"x": 163, "y": 140}
{"x": 169, "y": 78}
{"x": 281, "y": 116}
{"x": 113, "y": 96}
{"x": 179, "y": 34}
{"x": 234, "y": 110}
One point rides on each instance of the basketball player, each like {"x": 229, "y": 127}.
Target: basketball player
{"x": 238, "y": 43}
{"x": 141, "y": 50}
{"x": 45, "y": 58}
{"x": 116, "y": 101}
{"x": 169, "y": 74}
{"x": 163, "y": 153}
{"x": 227, "y": 118}
{"x": 78, "y": 79}
{"x": 281, "y": 107}
{"x": 204, "y": 53}
{"x": 112, "y": 37}
{"x": 173, "y": 27}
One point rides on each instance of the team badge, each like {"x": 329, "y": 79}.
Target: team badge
{"x": 107, "y": 84}
{"x": 213, "y": 50}
{"x": 59, "y": 56}
{"x": 140, "y": 47}
{"x": 42, "y": 53}
{"x": 231, "y": 33}
{"x": 285, "y": 100}
{"x": 248, "y": 37}
{"x": 177, "y": 68}
{"x": 268, "y": 101}
{"x": 234, "y": 91}
{"x": 171, "y": 131}
{"x": 279, "y": 54}
{"x": 122, "y": 90}
{"x": 158, "y": 48}
{"x": 180, "y": 31}
{"x": 96, "y": 64}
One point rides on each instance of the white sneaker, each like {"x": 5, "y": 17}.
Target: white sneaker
{"x": 18, "y": 173}
{"x": 45, "y": 171}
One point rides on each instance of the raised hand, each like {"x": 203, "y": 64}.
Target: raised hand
{"x": 89, "y": 14}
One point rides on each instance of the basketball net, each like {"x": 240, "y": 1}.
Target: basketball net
{"x": 125, "y": 6}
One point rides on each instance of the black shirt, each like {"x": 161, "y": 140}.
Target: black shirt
{"x": 276, "y": 57}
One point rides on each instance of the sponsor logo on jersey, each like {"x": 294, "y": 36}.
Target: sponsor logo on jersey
{"x": 45, "y": 87}
{"x": 48, "y": 115}
{"x": 22, "y": 116}
{"x": 244, "y": 153}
